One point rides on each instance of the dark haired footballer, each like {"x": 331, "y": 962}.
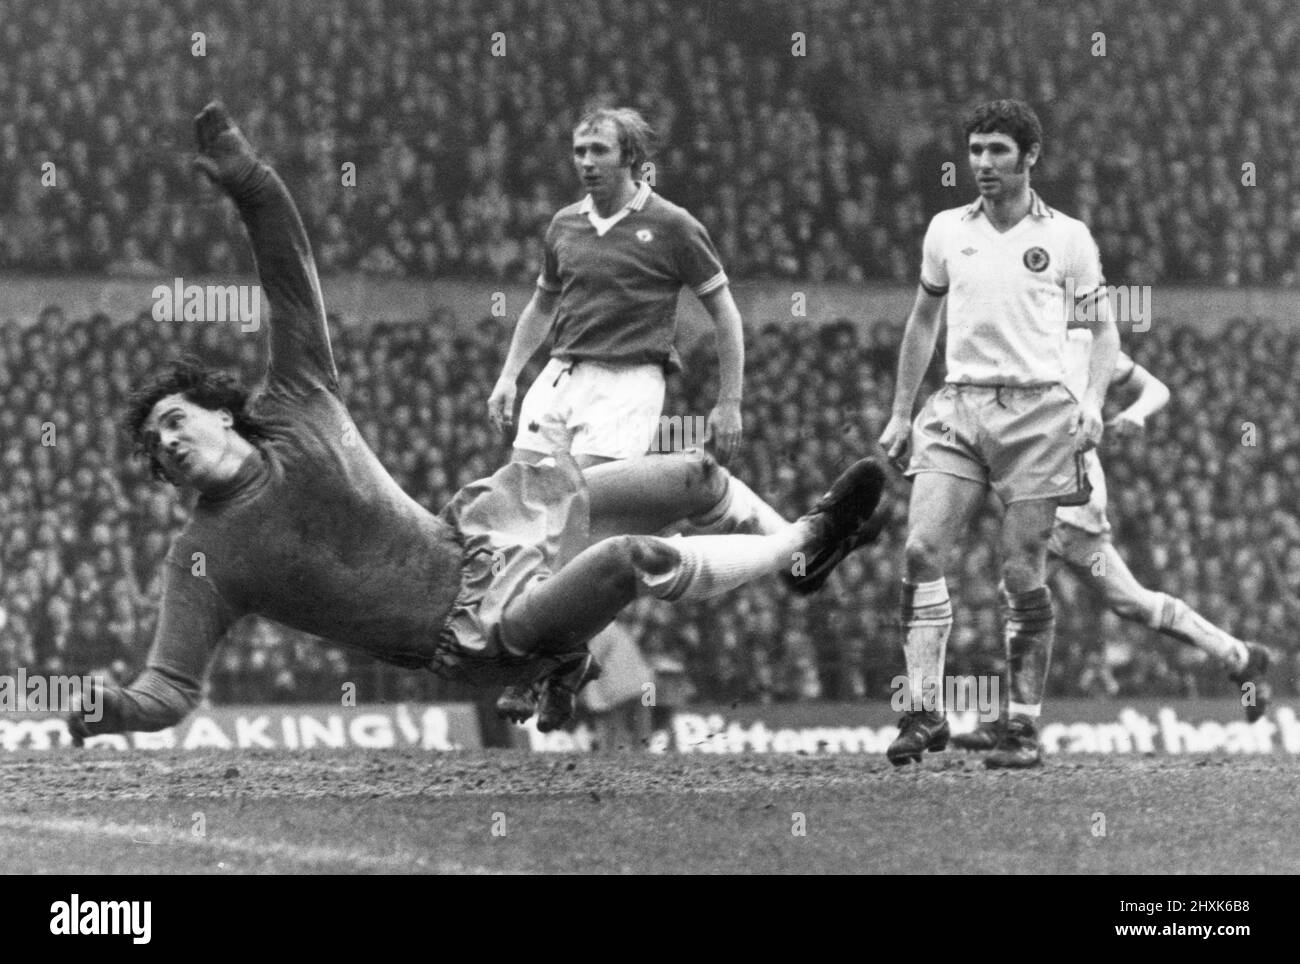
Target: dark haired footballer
{"x": 1010, "y": 268}
{"x": 296, "y": 520}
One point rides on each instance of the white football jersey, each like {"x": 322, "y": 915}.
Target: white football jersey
{"x": 1010, "y": 294}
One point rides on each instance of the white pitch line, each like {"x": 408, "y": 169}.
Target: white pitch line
{"x": 141, "y": 833}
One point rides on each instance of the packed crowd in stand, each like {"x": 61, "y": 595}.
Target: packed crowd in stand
{"x": 1203, "y": 506}
{"x": 432, "y": 139}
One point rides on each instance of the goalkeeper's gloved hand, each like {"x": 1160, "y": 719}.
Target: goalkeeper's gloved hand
{"x": 225, "y": 156}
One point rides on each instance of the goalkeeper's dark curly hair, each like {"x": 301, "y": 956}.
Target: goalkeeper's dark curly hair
{"x": 188, "y": 377}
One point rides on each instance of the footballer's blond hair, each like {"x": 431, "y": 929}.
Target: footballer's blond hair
{"x": 635, "y": 136}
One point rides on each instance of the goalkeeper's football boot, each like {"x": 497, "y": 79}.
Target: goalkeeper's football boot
{"x": 1255, "y": 675}
{"x": 1018, "y": 748}
{"x": 918, "y": 731}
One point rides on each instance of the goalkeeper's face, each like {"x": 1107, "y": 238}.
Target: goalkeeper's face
{"x": 192, "y": 444}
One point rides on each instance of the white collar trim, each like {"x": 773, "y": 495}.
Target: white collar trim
{"x": 603, "y": 225}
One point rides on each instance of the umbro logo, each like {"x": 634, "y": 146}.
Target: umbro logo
{"x": 644, "y": 236}
{"x": 969, "y": 251}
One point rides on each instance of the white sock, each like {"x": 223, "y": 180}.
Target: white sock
{"x": 927, "y": 621}
{"x": 711, "y": 565}
{"x": 1177, "y": 619}
{"x": 1034, "y": 710}
{"x": 740, "y": 510}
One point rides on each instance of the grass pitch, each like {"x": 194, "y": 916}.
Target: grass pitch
{"x": 498, "y": 811}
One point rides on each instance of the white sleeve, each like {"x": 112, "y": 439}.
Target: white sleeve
{"x": 934, "y": 267}
{"x": 1085, "y": 263}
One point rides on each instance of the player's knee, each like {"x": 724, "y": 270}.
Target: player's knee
{"x": 1026, "y": 546}
{"x": 648, "y": 554}
{"x": 630, "y": 560}
{"x": 921, "y": 556}
{"x": 1027, "y": 531}
{"x": 1024, "y": 555}
{"x": 706, "y": 474}
{"x": 1023, "y": 573}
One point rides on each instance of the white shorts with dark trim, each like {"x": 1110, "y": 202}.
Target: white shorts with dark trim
{"x": 592, "y": 408}
{"x": 1092, "y": 516}
{"x": 1017, "y": 440}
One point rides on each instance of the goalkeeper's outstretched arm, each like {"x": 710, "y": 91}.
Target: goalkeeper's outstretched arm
{"x": 191, "y": 622}
{"x": 300, "y": 346}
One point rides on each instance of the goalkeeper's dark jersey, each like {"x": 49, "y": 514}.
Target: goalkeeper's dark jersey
{"x": 312, "y": 531}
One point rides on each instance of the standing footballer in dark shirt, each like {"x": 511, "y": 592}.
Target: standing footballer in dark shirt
{"x": 297, "y": 520}
{"x": 613, "y": 268}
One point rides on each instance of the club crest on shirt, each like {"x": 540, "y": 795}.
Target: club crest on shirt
{"x": 1036, "y": 259}
{"x": 644, "y": 236}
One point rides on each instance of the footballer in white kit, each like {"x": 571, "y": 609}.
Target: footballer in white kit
{"x": 1013, "y": 272}
{"x": 1081, "y": 541}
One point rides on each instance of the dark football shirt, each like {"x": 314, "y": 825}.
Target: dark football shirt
{"x": 312, "y": 531}
{"x": 618, "y": 287}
